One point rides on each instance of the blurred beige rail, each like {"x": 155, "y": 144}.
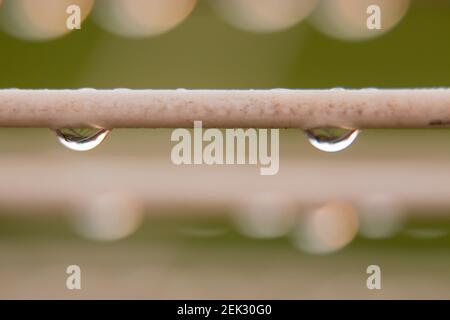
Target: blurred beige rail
{"x": 55, "y": 182}
{"x": 276, "y": 108}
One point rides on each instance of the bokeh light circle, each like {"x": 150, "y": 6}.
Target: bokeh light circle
{"x": 263, "y": 15}
{"x": 141, "y": 18}
{"x": 347, "y": 19}
{"x": 380, "y": 217}
{"x": 39, "y": 20}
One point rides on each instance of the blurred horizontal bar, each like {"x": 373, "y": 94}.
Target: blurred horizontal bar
{"x": 276, "y": 108}
{"x": 56, "y": 182}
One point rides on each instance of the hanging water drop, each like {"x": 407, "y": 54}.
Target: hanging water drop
{"x": 331, "y": 139}
{"x": 81, "y": 139}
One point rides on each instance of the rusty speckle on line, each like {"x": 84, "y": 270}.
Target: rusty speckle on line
{"x": 439, "y": 123}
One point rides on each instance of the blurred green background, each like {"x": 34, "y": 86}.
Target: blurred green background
{"x": 206, "y": 52}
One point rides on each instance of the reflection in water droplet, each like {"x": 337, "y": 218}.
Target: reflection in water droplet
{"x": 331, "y": 139}
{"x": 81, "y": 139}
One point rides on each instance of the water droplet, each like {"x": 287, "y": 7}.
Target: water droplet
{"x": 196, "y": 231}
{"x": 331, "y": 139}
{"x": 81, "y": 139}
